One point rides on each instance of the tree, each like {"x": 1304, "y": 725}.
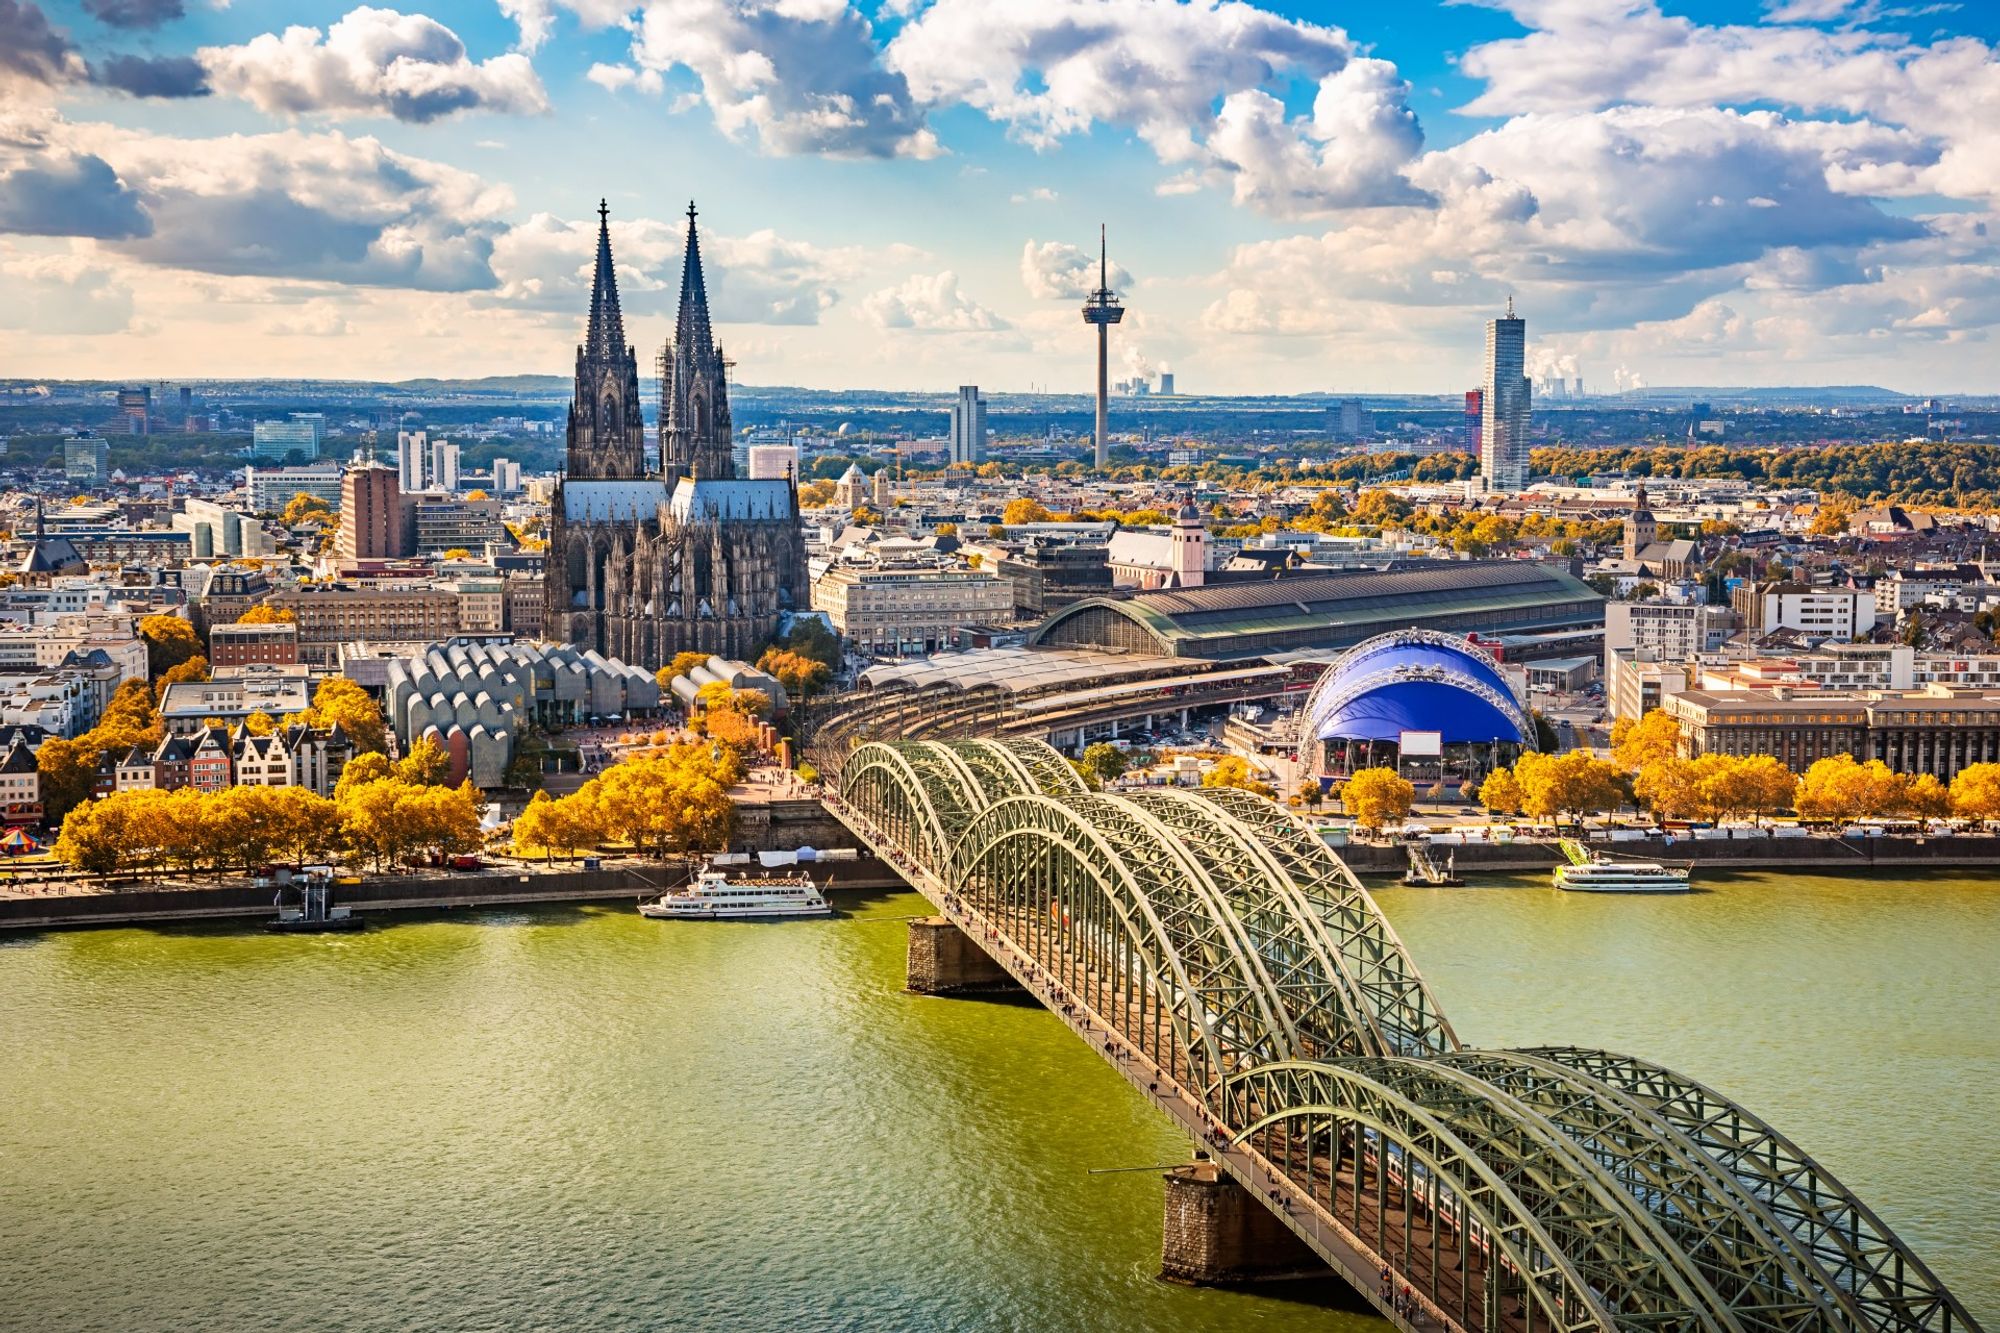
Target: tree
{"x": 1924, "y": 797}
{"x": 1831, "y": 518}
{"x": 170, "y": 641}
{"x": 1024, "y": 509}
{"x": 476, "y": 494}
{"x": 456, "y": 553}
{"x": 1102, "y": 762}
{"x": 1309, "y": 793}
{"x": 339, "y": 701}
{"x": 259, "y": 724}
{"x": 1553, "y": 785}
{"x": 799, "y": 674}
{"x": 683, "y": 664}
{"x": 67, "y": 768}
{"x": 1377, "y": 796}
{"x": 426, "y": 764}
{"x": 1975, "y": 792}
{"x": 93, "y": 837}
{"x": 195, "y": 668}
{"x": 1840, "y": 788}
{"x": 811, "y": 637}
{"x": 265, "y": 614}
{"x": 1636, "y": 744}
{"x": 1234, "y": 771}
{"x": 303, "y": 508}
{"x": 1500, "y": 794}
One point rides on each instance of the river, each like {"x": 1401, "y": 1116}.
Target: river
{"x": 573, "y": 1118}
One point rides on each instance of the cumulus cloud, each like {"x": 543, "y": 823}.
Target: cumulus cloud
{"x": 792, "y": 76}
{"x": 300, "y": 206}
{"x": 152, "y": 76}
{"x": 1057, "y": 270}
{"x": 31, "y": 51}
{"x": 617, "y": 78}
{"x": 762, "y": 278}
{"x": 536, "y": 19}
{"x": 64, "y": 193}
{"x": 373, "y": 62}
{"x": 930, "y": 304}
{"x": 62, "y": 294}
{"x": 135, "y": 13}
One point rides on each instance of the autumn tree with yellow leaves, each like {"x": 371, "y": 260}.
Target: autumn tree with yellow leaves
{"x": 1377, "y": 796}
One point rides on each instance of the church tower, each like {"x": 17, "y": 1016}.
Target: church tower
{"x": 1641, "y": 529}
{"x": 695, "y": 434}
{"x": 1190, "y": 546}
{"x": 607, "y": 428}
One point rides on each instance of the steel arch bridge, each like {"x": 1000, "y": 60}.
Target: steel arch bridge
{"x": 1213, "y": 938}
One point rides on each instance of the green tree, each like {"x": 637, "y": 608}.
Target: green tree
{"x": 1102, "y": 762}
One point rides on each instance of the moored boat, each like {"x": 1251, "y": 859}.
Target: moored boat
{"x": 714, "y": 896}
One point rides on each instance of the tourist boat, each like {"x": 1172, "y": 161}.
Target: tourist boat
{"x": 714, "y": 896}
{"x": 1587, "y": 872}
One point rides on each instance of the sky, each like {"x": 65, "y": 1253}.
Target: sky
{"x": 905, "y": 194}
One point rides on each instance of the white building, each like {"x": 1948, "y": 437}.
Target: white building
{"x": 1823, "y": 613}
{"x": 773, "y": 462}
{"x": 413, "y": 460}
{"x": 1503, "y": 424}
{"x": 444, "y": 466}
{"x": 968, "y": 426}
{"x": 272, "y": 488}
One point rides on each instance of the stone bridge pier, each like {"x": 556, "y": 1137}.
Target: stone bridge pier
{"x": 1213, "y": 1233}
{"x": 944, "y": 961}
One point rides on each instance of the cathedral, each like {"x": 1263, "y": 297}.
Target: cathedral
{"x": 642, "y": 566}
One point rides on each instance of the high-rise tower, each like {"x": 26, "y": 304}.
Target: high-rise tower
{"x": 1503, "y": 432}
{"x": 695, "y": 432}
{"x": 607, "y": 427}
{"x": 1102, "y": 309}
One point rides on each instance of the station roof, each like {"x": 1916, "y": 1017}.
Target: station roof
{"x": 1018, "y": 670}
{"x": 1237, "y": 619}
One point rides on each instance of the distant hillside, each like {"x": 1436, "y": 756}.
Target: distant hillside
{"x": 1846, "y": 393}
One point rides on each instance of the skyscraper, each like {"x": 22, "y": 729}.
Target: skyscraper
{"x": 444, "y": 466}
{"x": 373, "y": 519}
{"x": 1503, "y": 436}
{"x": 968, "y": 426}
{"x": 1101, "y": 308}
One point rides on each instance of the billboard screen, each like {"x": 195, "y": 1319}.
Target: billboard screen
{"x": 1419, "y": 744}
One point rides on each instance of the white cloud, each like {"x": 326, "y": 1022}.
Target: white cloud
{"x": 313, "y": 319}
{"x": 794, "y": 76}
{"x": 762, "y": 278}
{"x": 1041, "y": 194}
{"x": 930, "y": 304}
{"x": 617, "y": 78}
{"x": 373, "y": 62}
{"x": 56, "y": 294}
{"x": 1057, "y": 270}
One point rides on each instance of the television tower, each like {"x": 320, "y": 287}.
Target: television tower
{"x": 1102, "y": 309}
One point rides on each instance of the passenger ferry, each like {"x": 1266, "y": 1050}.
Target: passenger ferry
{"x": 1588, "y": 873}
{"x": 714, "y": 896}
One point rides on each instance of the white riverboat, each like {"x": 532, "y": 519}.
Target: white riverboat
{"x": 1590, "y": 873}
{"x": 715, "y": 897}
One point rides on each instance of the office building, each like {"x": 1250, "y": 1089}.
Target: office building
{"x": 330, "y": 614}
{"x": 276, "y": 441}
{"x": 86, "y": 460}
{"x": 1504, "y": 399}
{"x": 1474, "y": 415}
{"x": 457, "y": 525}
{"x": 272, "y": 488}
{"x": 907, "y": 610}
{"x": 968, "y": 426}
{"x": 216, "y": 530}
{"x": 444, "y": 467}
{"x": 1817, "y": 613}
{"x": 413, "y": 460}
{"x": 1350, "y": 419}
{"x": 135, "y": 408}
{"x": 232, "y": 646}
{"x": 1936, "y": 729}
{"x": 374, "y": 521}
{"x": 506, "y": 476}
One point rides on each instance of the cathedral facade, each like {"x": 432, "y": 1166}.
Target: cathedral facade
{"x": 644, "y": 565}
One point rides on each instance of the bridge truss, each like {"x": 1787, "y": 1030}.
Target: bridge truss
{"x": 1218, "y": 939}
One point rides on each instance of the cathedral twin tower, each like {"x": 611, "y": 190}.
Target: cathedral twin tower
{"x": 643, "y": 565}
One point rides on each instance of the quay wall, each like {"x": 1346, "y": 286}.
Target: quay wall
{"x": 1829, "y": 855}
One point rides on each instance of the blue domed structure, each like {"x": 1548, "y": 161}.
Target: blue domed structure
{"x": 1414, "y": 680}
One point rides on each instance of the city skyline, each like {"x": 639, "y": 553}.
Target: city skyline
{"x": 902, "y": 194}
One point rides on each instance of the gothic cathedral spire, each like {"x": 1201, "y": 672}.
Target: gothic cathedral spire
{"x": 695, "y": 429}
{"x": 607, "y": 426}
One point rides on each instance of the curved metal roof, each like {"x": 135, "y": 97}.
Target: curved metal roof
{"x": 1415, "y": 680}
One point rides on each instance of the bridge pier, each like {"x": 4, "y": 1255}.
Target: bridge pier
{"x": 1213, "y": 1233}
{"x": 943, "y": 960}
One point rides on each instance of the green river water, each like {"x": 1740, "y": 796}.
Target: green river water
{"x": 573, "y": 1118}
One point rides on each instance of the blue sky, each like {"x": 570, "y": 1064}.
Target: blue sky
{"x": 905, "y": 194}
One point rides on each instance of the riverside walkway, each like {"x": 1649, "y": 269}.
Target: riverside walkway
{"x": 1224, "y": 960}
